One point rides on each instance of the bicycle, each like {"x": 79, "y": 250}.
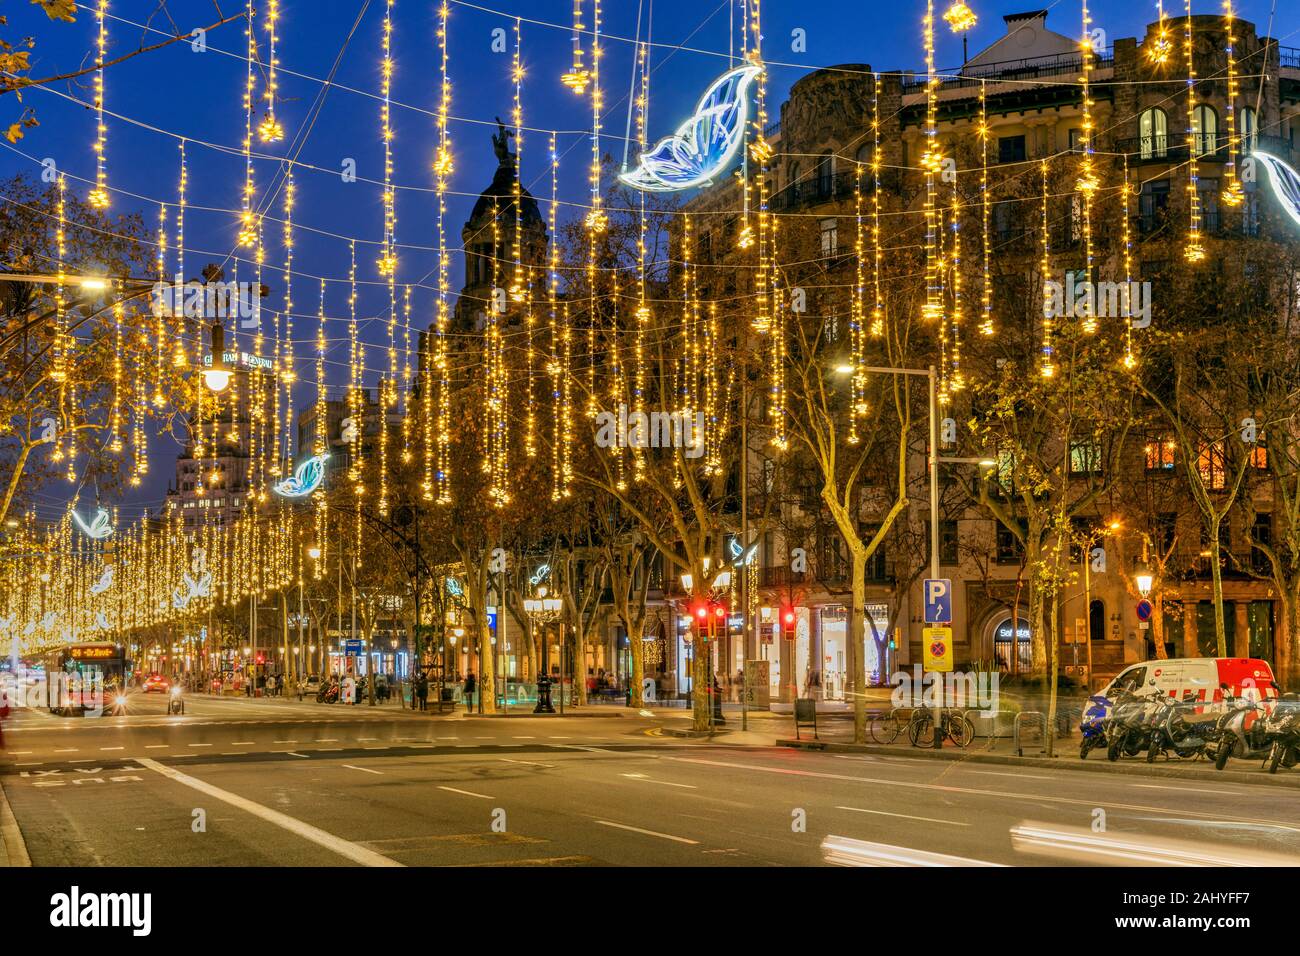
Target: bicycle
{"x": 919, "y": 727}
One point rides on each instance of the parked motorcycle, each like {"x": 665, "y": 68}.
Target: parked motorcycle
{"x": 1242, "y": 732}
{"x": 1128, "y": 728}
{"x": 329, "y": 693}
{"x": 1172, "y": 731}
{"x": 1283, "y": 730}
{"x": 1092, "y": 724}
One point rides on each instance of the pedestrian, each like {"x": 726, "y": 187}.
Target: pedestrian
{"x": 270, "y": 685}
{"x": 468, "y": 690}
{"x": 422, "y": 691}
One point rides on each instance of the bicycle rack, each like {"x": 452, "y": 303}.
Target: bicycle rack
{"x": 1019, "y": 721}
{"x": 974, "y": 714}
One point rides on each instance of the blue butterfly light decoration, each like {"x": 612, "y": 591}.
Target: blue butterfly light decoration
{"x": 1285, "y": 180}
{"x": 305, "y": 479}
{"x": 705, "y": 144}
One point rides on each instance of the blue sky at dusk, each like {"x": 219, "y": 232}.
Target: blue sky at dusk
{"x": 175, "y": 92}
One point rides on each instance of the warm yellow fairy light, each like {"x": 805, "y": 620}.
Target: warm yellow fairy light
{"x": 957, "y": 379}
{"x": 287, "y": 366}
{"x": 115, "y": 412}
{"x": 1047, "y": 366}
{"x": 558, "y": 365}
{"x": 437, "y": 477}
{"x": 160, "y": 311}
{"x": 877, "y": 161}
{"x": 355, "y": 408}
{"x": 59, "y": 365}
{"x": 960, "y": 17}
{"x": 1232, "y": 194}
{"x": 1126, "y": 228}
{"x": 1194, "y": 251}
{"x": 617, "y": 375}
{"x": 1162, "y": 45}
{"x": 643, "y": 303}
{"x": 986, "y": 286}
{"x": 248, "y": 227}
{"x": 320, "y": 436}
{"x": 270, "y": 130}
{"x": 98, "y": 197}
{"x": 496, "y": 418}
{"x": 771, "y": 311}
{"x": 596, "y": 220}
{"x": 407, "y": 412}
{"x": 857, "y": 313}
{"x": 931, "y": 163}
{"x": 517, "y": 281}
{"x": 577, "y": 77}
{"x": 388, "y": 261}
{"x": 179, "y": 358}
{"x": 1087, "y": 181}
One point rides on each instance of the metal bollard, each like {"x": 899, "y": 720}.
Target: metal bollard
{"x": 1015, "y": 729}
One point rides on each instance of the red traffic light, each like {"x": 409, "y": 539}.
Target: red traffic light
{"x": 720, "y": 611}
{"x": 701, "y": 611}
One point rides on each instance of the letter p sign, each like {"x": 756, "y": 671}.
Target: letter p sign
{"x": 938, "y": 601}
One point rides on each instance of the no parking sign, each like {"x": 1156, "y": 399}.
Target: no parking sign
{"x": 936, "y": 649}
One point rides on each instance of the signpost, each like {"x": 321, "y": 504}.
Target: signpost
{"x": 936, "y": 648}
{"x": 938, "y": 600}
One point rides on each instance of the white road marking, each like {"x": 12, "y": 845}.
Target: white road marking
{"x": 905, "y": 816}
{"x": 531, "y": 763}
{"x": 524, "y": 737}
{"x": 157, "y": 746}
{"x": 242, "y": 743}
{"x": 1156, "y": 786}
{"x": 642, "y": 778}
{"x": 327, "y": 740}
{"x": 467, "y": 793}
{"x": 653, "y": 833}
{"x": 364, "y": 769}
{"x": 200, "y": 745}
{"x": 112, "y": 748}
{"x": 1023, "y": 776}
{"x": 367, "y": 738}
{"x": 67, "y": 750}
{"x": 344, "y": 848}
{"x": 293, "y": 753}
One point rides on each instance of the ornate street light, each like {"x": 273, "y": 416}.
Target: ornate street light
{"x": 1143, "y": 577}
{"x": 543, "y": 610}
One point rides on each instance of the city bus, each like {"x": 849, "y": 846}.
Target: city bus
{"x": 83, "y": 679}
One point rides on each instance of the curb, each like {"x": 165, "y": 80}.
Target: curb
{"x": 13, "y": 848}
{"x": 1290, "y": 780}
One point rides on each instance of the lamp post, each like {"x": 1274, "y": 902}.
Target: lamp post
{"x": 542, "y": 610}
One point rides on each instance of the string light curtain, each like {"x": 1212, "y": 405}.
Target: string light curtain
{"x": 99, "y": 197}
{"x": 437, "y": 480}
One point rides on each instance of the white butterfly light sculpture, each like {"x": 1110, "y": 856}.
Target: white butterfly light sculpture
{"x": 101, "y": 621}
{"x": 305, "y": 479}
{"x": 1286, "y": 183}
{"x": 199, "y": 587}
{"x": 104, "y": 583}
{"x": 705, "y": 144}
{"x": 100, "y": 527}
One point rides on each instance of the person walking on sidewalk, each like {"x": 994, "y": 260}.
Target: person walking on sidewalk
{"x": 422, "y": 691}
{"x": 470, "y": 686}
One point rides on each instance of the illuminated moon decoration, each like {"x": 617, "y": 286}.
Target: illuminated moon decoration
{"x": 1286, "y": 183}
{"x": 705, "y": 144}
{"x": 99, "y": 528}
{"x": 305, "y": 479}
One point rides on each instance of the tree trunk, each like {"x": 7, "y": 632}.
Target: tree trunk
{"x": 1216, "y": 572}
{"x": 1054, "y": 657}
{"x": 1290, "y": 676}
{"x": 579, "y": 662}
{"x": 1158, "y": 625}
{"x": 700, "y": 691}
{"x": 857, "y": 636}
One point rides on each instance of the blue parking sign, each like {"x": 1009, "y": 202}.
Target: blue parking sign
{"x": 938, "y": 600}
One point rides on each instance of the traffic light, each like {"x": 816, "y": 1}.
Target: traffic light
{"x": 787, "y": 622}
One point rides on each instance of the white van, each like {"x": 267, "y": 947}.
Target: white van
{"x": 1197, "y": 679}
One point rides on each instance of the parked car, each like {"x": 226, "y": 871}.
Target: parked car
{"x": 311, "y": 685}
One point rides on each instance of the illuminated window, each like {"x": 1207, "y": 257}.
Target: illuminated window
{"x": 1211, "y": 462}
{"x": 1153, "y": 133}
{"x": 1205, "y": 130}
{"x": 1085, "y": 458}
{"x": 1159, "y": 451}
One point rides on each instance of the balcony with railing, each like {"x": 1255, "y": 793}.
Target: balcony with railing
{"x": 818, "y": 189}
{"x": 1019, "y": 70}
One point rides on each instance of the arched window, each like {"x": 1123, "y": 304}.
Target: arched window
{"x": 1248, "y": 129}
{"x": 794, "y": 174}
{"x": 1205, "y": 130}
{"x": 864, "y": 154}
{"x": 1153, "y": 132}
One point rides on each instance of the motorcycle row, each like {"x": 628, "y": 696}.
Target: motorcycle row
{"x": 1128, "y": 723}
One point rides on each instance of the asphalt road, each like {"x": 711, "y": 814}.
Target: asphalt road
{"x": 278, "y": 782}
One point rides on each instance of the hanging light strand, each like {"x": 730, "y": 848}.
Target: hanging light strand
{"x": 987, "y": 326}
{"x": 99, "y": 196}
{"x": 248, "y": 231}
{"x": 270, "y": 130}
{"x": 877, "y": 162}
{"x": 1047, "y": 367}
{"x": 1193, "y": 251}
{"x": 1126, "y": 237}
{"x": 1086, "y": 183}
{"x": 1232, "y": 192}
{"x": 437, "y": 480}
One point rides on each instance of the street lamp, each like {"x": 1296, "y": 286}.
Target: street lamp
{"x": 217, "y": 375}
{"x": 543, "y": 610}
{"x": 1144, "y": 579}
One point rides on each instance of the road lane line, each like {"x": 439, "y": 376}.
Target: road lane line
{"x": 157, "y": 746}
{"x": 653, "y": 833}
{"x": 1001, "y": 794}
{"x": 242, "y": 743}
{"x": 467, "y": 793}
{"x": 344, "y": 848}
{"x": 364, "y": 769}
{"x": 642, "y": 778}
{"x": 200, "y": 745}
{"x": 234, "y": 753}
{"x": 327, "y": 740}
{"x": 112, "y": 748}
{"x": 1022, "y": 776}
{"x": 67, "y": 750}
{"x": 531, "y": 763}
{"x": 1156, "y": 786}
{"x": 905, "y": 816}
{"x": 367, "y": 738}
{"x": 294, "y": 753}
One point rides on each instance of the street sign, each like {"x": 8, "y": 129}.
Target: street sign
{"x": 936, "y": 647}
{"x": 938, "y": 601}
{"x": 352, "y": 647}
{"x": 1144, "y": 610}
